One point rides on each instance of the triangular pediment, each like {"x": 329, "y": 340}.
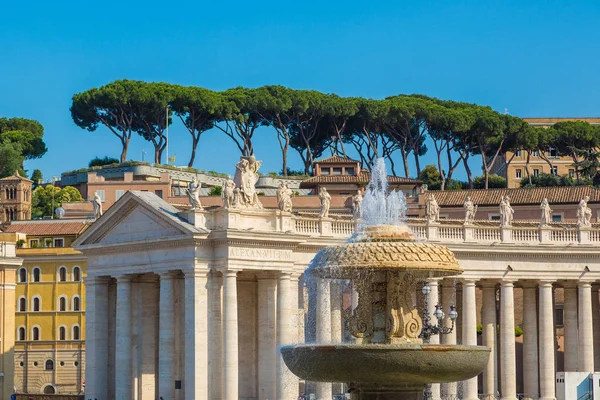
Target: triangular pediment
{"x": 136, "y": 217}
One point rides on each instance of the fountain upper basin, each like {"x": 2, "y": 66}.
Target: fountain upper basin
{"x": 401, "y": 365}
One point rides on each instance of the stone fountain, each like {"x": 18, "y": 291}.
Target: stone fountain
{"x": 386, "y": 265}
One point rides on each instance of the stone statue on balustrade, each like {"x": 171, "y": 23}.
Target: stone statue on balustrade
{"x": 546, "y": 217}
{"x": 470, "y": 211}
{"x": 325, "y": 202}
{"x": 228, "y": 194}
{"x": 432, "y": 209}
{"x": 284, "y": 197}
{"x": 357, "y": 209}
{"x": 246, "y": 176}
{"x": 97, "y": 203}
{"x": 506, "y": 212}
{"x": 193, "y": 192}
{"x": 584, "y": 213}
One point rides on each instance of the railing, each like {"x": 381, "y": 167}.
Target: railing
{"x": 343, "y": 227}
{"x": 526, "y": 235}
{"x": 564, "y": 235}
{"x": 486, "y": 234}
{"x": 451, "y": 233}
{"x": 307, "y": 226}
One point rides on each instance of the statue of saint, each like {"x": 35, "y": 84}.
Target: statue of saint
{"x": 506, "y": 212}
{"x": 432, "y": 209}
{"x": 246, "y": 176}
{"x": 470, "y": 210}
{"x": 228, "y": 194}
{"x": 284, "y": 197}
{"x": 584, "y": 213}
{"x": 357, "y": 205}
{"x": 325, "y": 202}
{"x": 97, "y": 202}
{"x": 193, "y": 192}
{"x": 546, "y": 217}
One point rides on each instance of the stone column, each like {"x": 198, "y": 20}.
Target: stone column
{"x": 123, "y": 362}
{"x": 287, "y": 331}
{"x": 546, "y": 331}
{"x": 337, "y": 331}
{"x": 215, "y": 334}
{"x": 469, "y": 332}
{"x": 432, "y": 300}
{"x": 196, "y": 334}
{"x": 324, "y": 389}
{"x": 230, "y": 329}
{"x": 448, "y": 299}
{"x": 508, "y": 383}
{"x": 596, "y": 323}
{"x": 488, "y": 323}
{"x": 570, "y": 326}
{"x": 267, "y": 340}
{"x": 96, "y": 341}
{"x": 148, "y": 333}
{"x": 586, "y": 329}
{"x": 530, "y": 342}
{"x": 166, "y": 338}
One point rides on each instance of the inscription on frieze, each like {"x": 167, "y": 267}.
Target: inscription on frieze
{"x": 260, "y": 254}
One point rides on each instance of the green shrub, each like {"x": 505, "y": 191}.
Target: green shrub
{"x": 215, "y": 191}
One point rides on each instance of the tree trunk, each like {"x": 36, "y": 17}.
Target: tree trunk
{"x": 125, "y": 143}
{"x": 417, "y": 165}
{"x": 526, "y": 169}
{"x": 405, "y": 162}
{"x": 193, "y": 155}
{"x": 468, "y": 171}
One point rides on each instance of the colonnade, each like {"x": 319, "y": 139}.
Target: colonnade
{"x": 176, "y": 334}
{"x": 539, "y": 345}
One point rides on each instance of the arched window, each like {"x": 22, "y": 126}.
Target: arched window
{"x": 37, "y": 272}
{"x": 62, "y": 303}
{"x": 62, "y": 333}
{"x": 62, "y": 274}
{"x": 22, "y": 304}
{"x": 22, "y": 275}
{"x": 49, "y": 390}
{"x": 76, "y": 274}
{"x": 35, "y": 333}
{"x": 21, "y": 333}
{"x": 36, "y": 304}
{"x": 75, "y": 335}
{"x": 49, "y": 365}
{"x": 76, "y": 303}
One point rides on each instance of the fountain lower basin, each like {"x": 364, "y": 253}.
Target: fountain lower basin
{"x": 409, "y": 365}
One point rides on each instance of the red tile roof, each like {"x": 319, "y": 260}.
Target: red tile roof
{"x": 555, "y": 195}
{"x": 47, "y": 228}
{"x": 363, "y": 177}
{"x": 335, "y": 160}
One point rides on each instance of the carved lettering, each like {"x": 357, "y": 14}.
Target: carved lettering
{"x": 258, "y": 254}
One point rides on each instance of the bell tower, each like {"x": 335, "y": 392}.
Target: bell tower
{"x": 15, "y": 198}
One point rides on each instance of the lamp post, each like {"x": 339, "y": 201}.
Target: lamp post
{"x": 430, "y": 329}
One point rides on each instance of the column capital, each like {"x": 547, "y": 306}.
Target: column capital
{"x": 168, "y": 275}
{"x": 584, "y": 284}
{"x": 507, "y": 282}
{"x": 196, "y": 273}
{"x": 285, "y": 275}
{"x": 546, "y": 282}
{"x": 469, "y": 281}
{"x": 230, "y": 272}
{"x": 124, "y": 278}
{"x": 96, "y": 280}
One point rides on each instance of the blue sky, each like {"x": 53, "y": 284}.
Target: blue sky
{"x": 535, "y": 58}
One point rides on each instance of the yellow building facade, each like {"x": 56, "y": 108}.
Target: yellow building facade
{"x": 49, "y": 309}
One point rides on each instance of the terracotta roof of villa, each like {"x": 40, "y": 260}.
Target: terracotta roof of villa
{"x": 363, "y": 177}
{"x": 35, "y": 228}
{"x": 555, "y": 195}
{"x": 335, "y": 160}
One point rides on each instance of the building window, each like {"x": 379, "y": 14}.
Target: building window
{"x": 325, "y": 171}
{"x": 119, "y": 194}
{"x": 35, "y": 333}
{"x": 75, "y": 332}
{"x": 536, "y": 153}
{"x": 518, "y": 173}
{"x": 519, "y": 153}
{"x": 572, "y": 173}
{"x": 101, "y": 194}
{"x": 36, "y": 274}
{"x": 21, "y": 335}
{"x": 494, "y": 218}
{"x": 76, "y": 274}
{"x": 556, "y": 218}
{"x": 553, "y": 152}
{"x": 48, "y": 242}
{"x": 49, "y": 365}
{"x": 62, "y": 303}
{"x": 536, "y": 172}
{"x": 49, "y": 390}
{"x": 76, "y": 303}
{"x": 158, "y": 193}
{"x": 349, "y": 170}
{"x": 22, "y": 304}
{"x": 62, "y": 274}
{"x": 337, "y": 171}
{"x": 559, "y": 315}
{"x": 33, "y": 243}
{"x": 22, "y": 275}
{"x": 554, "y": 170}
{"x": 62, "y": 333}
{"x": 36, "y": 304}
{"x": 59, "y": 242}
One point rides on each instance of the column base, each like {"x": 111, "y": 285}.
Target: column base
{"x": 510, "y": 398}
{"x": 385, "y": 393}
